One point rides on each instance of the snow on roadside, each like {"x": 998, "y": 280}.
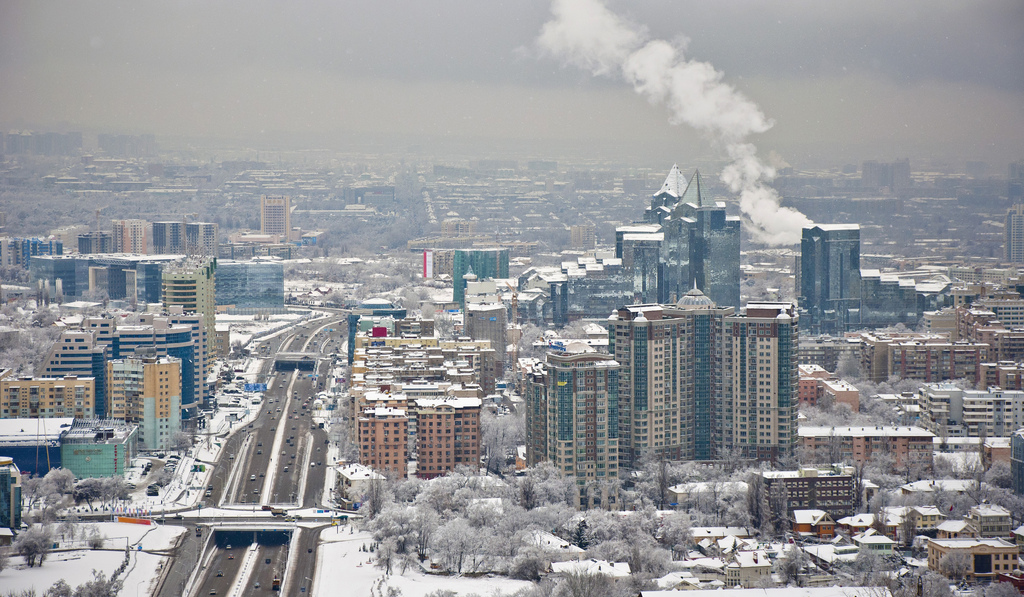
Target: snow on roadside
{"x": 76, "y": 566}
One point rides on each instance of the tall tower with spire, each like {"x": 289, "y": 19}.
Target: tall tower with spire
{"x": 700, "y": 245}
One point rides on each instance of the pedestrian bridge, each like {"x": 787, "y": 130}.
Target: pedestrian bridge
{"x": 291, "y": 361}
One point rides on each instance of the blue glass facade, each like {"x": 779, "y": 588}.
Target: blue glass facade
{"x": 250, "y": 284}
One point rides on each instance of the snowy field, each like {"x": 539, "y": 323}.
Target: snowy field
{"x": 76, "y": 566}
{"x": 341, "y": 564}
{"x": 244, "y": 327}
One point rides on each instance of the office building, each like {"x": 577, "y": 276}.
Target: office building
{"x": 192, "y": 286}
{"x": 696, "y": 245}
{"x": 169, "y": 238}
{"x": 47, "y": 398}
{"x": 129, "y": 236}
{"x": 383, "y": 438}
{"x": 201, "y": 239}
{"x": 137, "y": 278}
{"x": 482, "y": 263}
{"x": 671, "y": 383}
{"x": 572, "y": 421}
{"x": 10, "y": 494}
{"x": 99, "y": 447}
{"x": 447, "y": 435}
{"x": 761, "y": 380}
{"x": 1013, "y": 234}
{"x": 257, "y": 284}
{"x": 828, "y": 278}
{"x": 986, "y": 558}
{"x": 276, "y": 215}
{"x": 146, "y": 391}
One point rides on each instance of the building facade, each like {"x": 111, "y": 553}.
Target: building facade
{"x": 192, "y": 286}
{"x": 828, "y": 278}
{"x": 383, "y": 437}
{"x": 147, "y": 392}
{"x": 256, "y": 284}
{"x": 47, "y": 398}
{"x": 169, "y": 238}
{"x": 130, "y": 236}
{"x": 575, "y": 402}
{"x": 447, "y": 435}
{"x": 201, "y": 238}
{"x": 276, "y": 215}
{"x": 99, "y": 448}
{"x": 10, "y": 494}
{"x": 1013, "y": 233}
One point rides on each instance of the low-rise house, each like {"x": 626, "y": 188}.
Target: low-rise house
{"x": 555, "y": 548}
{"x": 954, "y": 529}
{"x": 615, "y": 570}
{"x": 873, "y": 542}
{"x": 813, "y": 523}
{"x": 353, "y": 482}
{"x": 748, "y": 569}
{"x": 985, "y": 558}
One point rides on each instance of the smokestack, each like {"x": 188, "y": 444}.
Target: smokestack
{"x": 588, "y": 35}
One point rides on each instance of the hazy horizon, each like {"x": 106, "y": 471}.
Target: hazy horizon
{"x": 842, "y": 82}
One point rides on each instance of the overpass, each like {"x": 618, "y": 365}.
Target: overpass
{"x": 291, "y": 361}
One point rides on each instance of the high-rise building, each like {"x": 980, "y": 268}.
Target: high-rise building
{"x": 130, "y": 236}
{"x": 146, "y": 391}
{"x": 276, "y": 215}
{"x": 169, "y": 238}
{"x": 383, "y": 437}
{"x": 10, "y": 494}
{"x": 828, "y": 277}
{"x": 1017, "y": 461}
{"x": 671, "y": 383}
{"x": 95, "y": 242}
{"x": 1015, "y": 188}
{"x": 483, "y": 263}
{"x": 1013, "y": 233}
{"x": 78, "y": 353}
{"x": 759, "y": 359}
{"x": 447, "y": 435}
{"x": 192, "y": 286}
{"x": 47, "y": 398}
{"x": 572, "y": 420}
{"x": 201, "y": 238}
{"x": 583, "y": 236}
{"x": 488, "y": 321}
{"x": 699, "y": 244}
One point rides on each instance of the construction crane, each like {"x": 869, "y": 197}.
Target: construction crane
{"x": 98, "y": 217}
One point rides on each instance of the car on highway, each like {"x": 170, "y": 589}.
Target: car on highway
{"x": 252, "y": 477}
{"x": 220, "y": 573}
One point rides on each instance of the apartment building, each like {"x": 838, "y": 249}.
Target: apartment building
{"x": 950, "y": 411}
{"x": 47, "y": 398}
{"x": 383, "y": 439}
{"x": 573, "y": 420}
{"x": 447, "y": 435}
{"x": 908, "y": 446}
{"x": 146, "y": 391}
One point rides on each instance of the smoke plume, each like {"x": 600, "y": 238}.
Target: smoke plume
{"x": 586, "y": 34}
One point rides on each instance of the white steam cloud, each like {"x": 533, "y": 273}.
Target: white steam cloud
{"x": 586, "y": 34}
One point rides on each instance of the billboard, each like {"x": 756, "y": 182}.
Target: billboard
{"x": 255, "y": 387}
{"x": 428, "y": 264}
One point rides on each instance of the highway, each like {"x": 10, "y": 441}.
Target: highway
{"x": 279, "y": 460}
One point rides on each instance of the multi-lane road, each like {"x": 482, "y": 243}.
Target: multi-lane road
{"x": 277, "y": 461}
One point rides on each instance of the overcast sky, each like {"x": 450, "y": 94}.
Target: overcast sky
{"x": 842, "y": 80}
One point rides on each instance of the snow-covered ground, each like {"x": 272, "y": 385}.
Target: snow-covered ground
{"x": 340, "y": 563}
{"x": 76, "y": 566}
{"x": 244, "y": 327}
